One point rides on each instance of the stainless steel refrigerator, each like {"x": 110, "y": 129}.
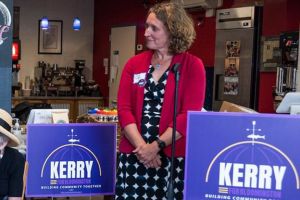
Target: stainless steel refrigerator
{"x": 236, "y": 70}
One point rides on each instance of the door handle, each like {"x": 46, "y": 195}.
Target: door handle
{"x": 217, "y": 86}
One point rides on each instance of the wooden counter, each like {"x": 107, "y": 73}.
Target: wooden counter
{"x": 76, "y": 105}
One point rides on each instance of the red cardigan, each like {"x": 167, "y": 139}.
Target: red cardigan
{"x": 191, "y": 93}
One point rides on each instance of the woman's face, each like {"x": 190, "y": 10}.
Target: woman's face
{"x": 156, "y": 34}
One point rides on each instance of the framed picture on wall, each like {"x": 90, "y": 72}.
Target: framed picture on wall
{"x": 270, "y": 53}
{"x": 50, "y": 40}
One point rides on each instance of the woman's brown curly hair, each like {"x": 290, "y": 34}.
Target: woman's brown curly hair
{"x": 178, "y": 23}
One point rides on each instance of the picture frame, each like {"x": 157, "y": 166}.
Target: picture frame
{"x": 270, "y": 54}
{"x": 50, "y": 40}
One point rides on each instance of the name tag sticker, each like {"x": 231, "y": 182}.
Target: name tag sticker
{"x": 138, "y": 77}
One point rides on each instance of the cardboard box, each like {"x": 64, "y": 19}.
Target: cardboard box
{"x": 231, "y": 107}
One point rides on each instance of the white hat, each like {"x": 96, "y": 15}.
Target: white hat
{"x": 5, "y": 128}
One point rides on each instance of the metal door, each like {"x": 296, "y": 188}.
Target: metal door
{"x": 122, "y": 47}
{"x": 244, "y": 60}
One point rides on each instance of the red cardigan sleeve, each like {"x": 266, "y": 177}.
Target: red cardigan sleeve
{"x": 125, "y": 103}
{"x": 192, "y": 91}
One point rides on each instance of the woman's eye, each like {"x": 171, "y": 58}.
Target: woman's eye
{"x": 154, "y": 28}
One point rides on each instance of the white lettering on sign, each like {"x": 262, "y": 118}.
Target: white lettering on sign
{"x": 250, "y": 175}
{"x": 3, "y": 29}
{"x": 70, "y": 169}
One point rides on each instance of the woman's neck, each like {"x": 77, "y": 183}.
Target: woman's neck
{"x": 162, "y": 55}
{"x": 161, "y": 60}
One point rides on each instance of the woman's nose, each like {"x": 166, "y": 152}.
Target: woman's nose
{"x": 146, "y": 33}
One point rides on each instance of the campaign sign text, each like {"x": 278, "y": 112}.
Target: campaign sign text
{"x": 71, "y": 159}
{"x": 239, "y": 156}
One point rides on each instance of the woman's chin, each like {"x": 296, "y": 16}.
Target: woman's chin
{"x": 150, "y": 46}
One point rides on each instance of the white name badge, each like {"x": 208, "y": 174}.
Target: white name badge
{"x": 138, "y": 77}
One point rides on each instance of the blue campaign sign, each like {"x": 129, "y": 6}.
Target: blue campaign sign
{"x": 241, "y": 156}
{"x": 71, "y": 159}
{"x": 6, "y": 30}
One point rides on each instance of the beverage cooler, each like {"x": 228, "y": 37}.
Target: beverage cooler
{"x": 236, "y": 71}
{"x": 286, "y": 80}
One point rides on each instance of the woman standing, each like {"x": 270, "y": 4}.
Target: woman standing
{"x": 145, "y": 105}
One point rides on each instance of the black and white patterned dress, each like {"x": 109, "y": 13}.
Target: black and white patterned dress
{"x": 134, "y": 180}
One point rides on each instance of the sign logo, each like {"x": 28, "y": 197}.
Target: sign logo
{"x": 4, "y": 28}
{"x": 63, "y": 171}
{"x": 71, "y": 159}
{"x": 252, "y": 168}
{"x": 240, "y": 156}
